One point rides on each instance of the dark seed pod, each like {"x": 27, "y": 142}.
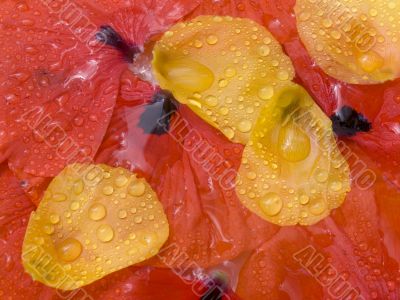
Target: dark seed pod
{"x": 347, "y": 122}
{"x": 156, "y": 118}
{"x": 218, "y": 287}
{"x": 108, "y": 36}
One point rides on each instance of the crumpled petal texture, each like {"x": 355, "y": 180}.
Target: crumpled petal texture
{"x": 59, "y": 84}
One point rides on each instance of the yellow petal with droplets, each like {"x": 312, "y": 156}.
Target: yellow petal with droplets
{"x": 225, "y": 69}
{"x": 92, "y": 221}
{"x": 355, "y": 41}
{"x": 292, "y": 171}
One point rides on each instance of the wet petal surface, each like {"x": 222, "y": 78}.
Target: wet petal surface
{"x": 354, "y": 41}
{"x": 292, "y": 170}
{"x": 93, "y": 220}
{"x": 59, "y": 84}
{"x": 223, "y": 68}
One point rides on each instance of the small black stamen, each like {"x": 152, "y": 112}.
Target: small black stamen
{"x": 156, "y": 118}
{"x": 217, "y": 288}
{"x": 107, "y": 35}
{"x": 347, "y": 122}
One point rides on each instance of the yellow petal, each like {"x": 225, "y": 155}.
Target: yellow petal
{"x": 355, "y": 41}
{"x": 292, "y": 171}
{"x": 225, "y": 69}
{"x": 92, "y": 221}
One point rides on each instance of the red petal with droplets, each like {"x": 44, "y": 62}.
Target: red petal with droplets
{"x": 59, "y": 85}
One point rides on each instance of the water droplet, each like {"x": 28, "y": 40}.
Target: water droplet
{"x": 327, "y": 23}
{"x": 228, "y": 132}
{"x": 336, "y": 186}
{"x": 264, "y": 50}
{"x": 59, "y": 197}
{"x": 54, "y": 218}
{"x": 78, "y": 121}
{"x": 272, "y": 204}
{"x": 122, "y": 214}
{"x": 283, "y": 75}
{"x": 121, "y": 181}
{"x": 137, "y": 189}
{"x": 266, "y": 92}
{"x": 251, "y": 175}
{"x": 304, "y": 199}
{"x": 198, "y": 44}
{"x": 108, "y": 190}
{"x": 373, "y": 12}
{"x": 245, "y": 126}
{"x": 48, "y": 229}
{"x": 230, "y": 72}
{"x": 69, "y": 250}
{"x": 138, "y": 220}
{"x": 78, "y": 187}
{"x": 370, "y": 61}
{"x": 321, "y": 176}
{"x": 223, "y": 83}
{"x": 211, "y": 101}
{"x": 336, "y": 34}
{"x": 74, "y": 205}
{"x": 318, "y": 208}
{"x": 212, "y": 39}
{"x": 97, "y": 212}
{"x": 105, "y": 233}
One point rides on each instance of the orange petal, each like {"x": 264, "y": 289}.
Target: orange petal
{"x": 292, "y": 170}
{"x": 225, "y": 69}
{"x": 354, "y": 41}
{"x": 92, "y": 221}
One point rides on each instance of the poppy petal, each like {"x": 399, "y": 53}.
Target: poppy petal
{"x": 92, "y": 221}
{"x": 292, "y": 171}
{"x": 60, "y": 99}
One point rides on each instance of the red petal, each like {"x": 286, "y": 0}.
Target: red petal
{"x": 59, "y": 89}
{"x": 144, "y": 283}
